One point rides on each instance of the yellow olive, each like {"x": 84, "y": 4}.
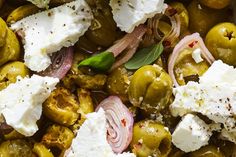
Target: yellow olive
{"x": 58, "y": 136}
{"x": 186, "y": 69}
{"x": 118, "y": 83}
{"x": 61, "y": 107}
{"x": 41, "y": 151}
{"x": 11, "y": 50}
{"x": 150, "y": 88}
{"x": 10, "y": 71}
{"x": 207, "y": 151}
{"x": 21, "y": 12}
{"x": 221, "y": 42}
{"x": 3, "y": 32}
{"x": 216, "y": 4}
{"x": 183, "y": 15}
{"x": 150, "y": 139}
{"x": 15, "y": 148}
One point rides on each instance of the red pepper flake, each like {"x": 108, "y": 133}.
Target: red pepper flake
{"x": 123, "y": 121}
{"x": 191, "y": 45}
{"x": 171, "y": 11}
{"x": 166, "y": 43}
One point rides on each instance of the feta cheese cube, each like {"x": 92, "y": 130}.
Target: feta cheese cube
{"x": 21, "y": 102}
{"x": 130, "y": 13}
{"x": 48, "y": 31}
{"x": 40, "y": 3}
{"x": 191, "y": 133}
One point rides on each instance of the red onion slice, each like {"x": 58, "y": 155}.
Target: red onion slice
{"x": 61, "y": 63}
{"x": 120, "y": 123}
{"x": 186, "y": 42}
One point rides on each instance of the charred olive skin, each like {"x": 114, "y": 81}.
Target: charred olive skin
{"x": 221, "y": 42}
{"x": 150, "y": 139}
{"x": 207, "y": 151}
{"x": 202, "y": 19}
{"x": 150, "y": 88}
{"x": 216, "y": 4}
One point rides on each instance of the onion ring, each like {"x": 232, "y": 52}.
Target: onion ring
{"x": 120, "y": 123}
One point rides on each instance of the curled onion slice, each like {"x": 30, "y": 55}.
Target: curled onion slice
{"x": 188, "y": 41}
{"x": 129, "y": 43}
{"x": 120, "y": 123}
{"x": 61, "y": 63}
{"x": 153, "y": 24}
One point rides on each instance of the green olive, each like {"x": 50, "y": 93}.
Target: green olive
{"x": 15, "y": 148}
{"x": 61, "y": 107}
{"x": 183, "y": 15}
{"x": 221, "y": 42}
{"x": 150, "y": 139}
{"x": 11, "y": 50}
{"x": 185, "y": 67}
{"x": 10, "y": 71}
{"x": 118, "y": 83}
{"x": 3, "y": 31}
{"x": 203, "y": 18}
{"x": 207, "y": 151}
{"x": 216, "y": 4}
{"x": 150, "y": 88}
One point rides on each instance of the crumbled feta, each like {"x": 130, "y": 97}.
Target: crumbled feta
{"x": 21, "y": 102}
{"x": 214, "y": 96}
{"x": 40, "y": 3}
{"x": 130, "y": 13}
{"x": 48, "y": 31}
{"x": 91, "y": 139}
{"x": 196, "y": 55}
{"x": 191, "y": 133}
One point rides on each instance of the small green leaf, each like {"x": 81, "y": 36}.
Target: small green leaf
{"x": 145, "y": 56}
{"x": 102, "y": 61}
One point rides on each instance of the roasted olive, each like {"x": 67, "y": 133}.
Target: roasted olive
{"x": 186, "y": 69}
{"x": 41, "y": 150}
{"x": 201, "y": 18}
{"x": 15, "y": 148}
{"x": 216, "y": 4}
{"x": 61, "y": 107}
{"x": 150, "y": 139}
{"x": 118, "y": 83}
{"x": 207, "y": 151}
{"x": 10, "y": 71}
{"x": 58, "y": 136}
{"x": 21, "y": 12}
{"x": 221, "y": 42}
{"x": 103, "y": 28}
{"x": 150, "y": 88}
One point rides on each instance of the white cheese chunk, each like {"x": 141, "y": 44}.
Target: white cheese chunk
{"x": 216, "y": 101}
{"x": 130, "y": 13}
{"x": 219, "y": 73}
{"x": 196, "y": 55}
{"x": 21, "y": 102}
{"x": 191, "y": 133}
{"x": 91, "y": 139}
{"x": 40, "y": 3}
{"x": 48, "y": 31}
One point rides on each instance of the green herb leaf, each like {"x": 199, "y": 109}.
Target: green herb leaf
{"x": 101, "y": 62}
{"x": 145, "y": 56}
